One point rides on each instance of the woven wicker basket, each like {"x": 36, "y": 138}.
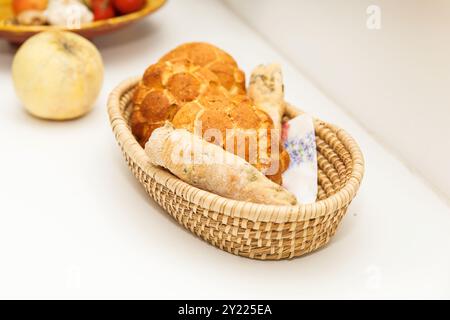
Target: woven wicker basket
{"x": 247, "y": 229}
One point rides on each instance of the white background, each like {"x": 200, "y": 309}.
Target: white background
{"x": 394, "y": 80}
{"x": 74, "y": 223}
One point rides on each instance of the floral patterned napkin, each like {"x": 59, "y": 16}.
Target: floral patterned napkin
{"x": 299, "y": 141}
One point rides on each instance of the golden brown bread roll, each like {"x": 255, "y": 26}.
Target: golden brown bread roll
{"x": 212, "y": 58}
{"x": 200, "y": 88}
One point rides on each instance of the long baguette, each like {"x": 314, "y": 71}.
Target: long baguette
{"x": 209, "y": 167}
{"x": 266, "y": 89}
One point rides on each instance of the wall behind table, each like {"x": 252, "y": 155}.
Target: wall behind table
{"x": 395, "y": 80}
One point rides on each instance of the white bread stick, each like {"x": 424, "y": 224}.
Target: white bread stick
{"x": 210, "y": 167}
{"x": 267, "y": 91}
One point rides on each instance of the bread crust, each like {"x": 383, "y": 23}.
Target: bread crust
{"x": 199, "y": 87}
{"x": 209, "y": 167}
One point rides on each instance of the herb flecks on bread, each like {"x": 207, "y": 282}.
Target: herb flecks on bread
{"x": 210, "y": 167}
{"x": 198, "y": 86}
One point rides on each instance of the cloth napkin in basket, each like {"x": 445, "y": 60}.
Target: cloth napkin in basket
{"x": 299, "y": 141}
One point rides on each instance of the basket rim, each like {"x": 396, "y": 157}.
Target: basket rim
{"x": 234, "y": 208}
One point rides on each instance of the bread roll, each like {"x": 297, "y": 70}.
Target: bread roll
{"x": 200, "y": 88}
{"x": 266, "y": 89}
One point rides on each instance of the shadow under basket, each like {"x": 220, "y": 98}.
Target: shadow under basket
{"x": 257, "y": 231}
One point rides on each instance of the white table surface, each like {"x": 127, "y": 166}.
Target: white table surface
{"x": 74, "y": 223}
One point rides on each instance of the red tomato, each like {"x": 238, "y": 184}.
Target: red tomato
{"x": 102, "y": 9}
{"x": 128, "y": 6}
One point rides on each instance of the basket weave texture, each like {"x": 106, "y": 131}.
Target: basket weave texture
{"x": 247, "y": 229}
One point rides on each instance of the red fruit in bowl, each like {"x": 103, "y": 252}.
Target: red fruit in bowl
{"x": 128, "y": 6}
{"x": 102, "y": 9}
